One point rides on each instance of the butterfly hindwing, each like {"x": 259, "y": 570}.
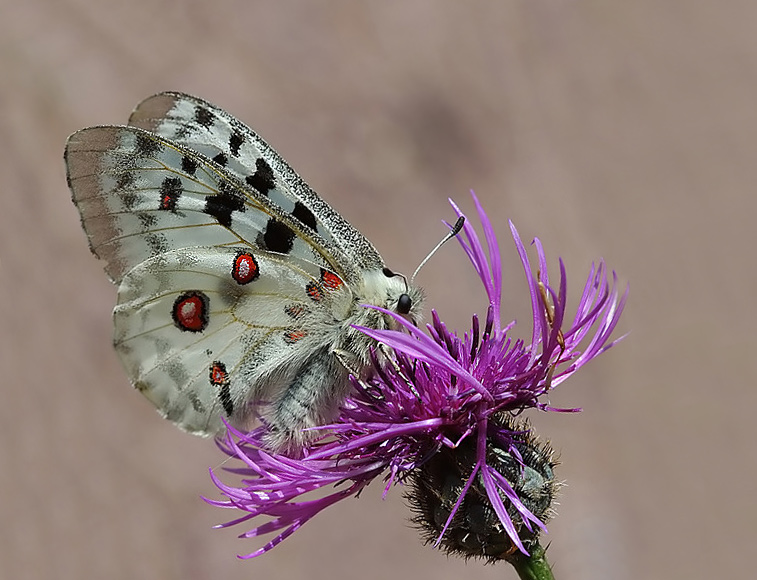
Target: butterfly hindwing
{"x": 204, "y": 332}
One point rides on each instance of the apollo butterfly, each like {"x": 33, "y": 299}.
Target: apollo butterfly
{"x": 238, "y": 286}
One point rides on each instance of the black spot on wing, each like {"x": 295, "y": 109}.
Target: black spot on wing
{"x": 204, "y": 117}
{"x": 224, "y": 203}
{"x": 304, "y": 215}
{"x": 221, "y": 159}
{"x": 145, "y": 146}
{"x": 183, "y": 131}
{"x": 262, "y": 179}
{"x": 125, "y": 180}
{"x": 235, "y": 142}
{"x": 195, "y": 402}
{"x": 278, "y": 237}
{"x": 188, "y": 165}
{"x": 225, "y": 396}
{"x": 129, "y": 200}
{"x": 170, "y": 191}
{"x": 157, "y": 243}
{"x": 147, "y": 220}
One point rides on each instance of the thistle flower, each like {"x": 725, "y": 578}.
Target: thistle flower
{"x": 441, "y": 415}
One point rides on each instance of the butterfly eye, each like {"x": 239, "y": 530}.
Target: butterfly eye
{"x": 404, "y": 304}
{"x": 388, "y": 273}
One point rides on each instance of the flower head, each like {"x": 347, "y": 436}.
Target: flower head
{"x": 439, "y": 412}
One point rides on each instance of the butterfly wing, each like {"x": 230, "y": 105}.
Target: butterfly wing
{"x": 205, "y": 128}
{"x": 205, "y": 331}
{"x": 183, "y": 236}
{"x": 140, "y": 195}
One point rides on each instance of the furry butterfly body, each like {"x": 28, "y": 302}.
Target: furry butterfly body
{"x": 238, "y": 285}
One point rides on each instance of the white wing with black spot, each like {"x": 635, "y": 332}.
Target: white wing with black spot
{"x": 140, "y": 195}
{"x": 205, "y": 128}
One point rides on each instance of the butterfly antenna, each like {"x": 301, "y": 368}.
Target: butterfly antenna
{"x": 456, "y": 229}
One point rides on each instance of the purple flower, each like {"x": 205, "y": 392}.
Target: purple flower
{"x": 441, "y": 413}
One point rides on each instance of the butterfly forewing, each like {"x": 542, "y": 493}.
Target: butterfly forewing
{"x": 204, "y": 127}
{"x": 140, "y": 195}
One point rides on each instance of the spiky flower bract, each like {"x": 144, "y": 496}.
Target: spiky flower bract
{"x": 437, "y": 397}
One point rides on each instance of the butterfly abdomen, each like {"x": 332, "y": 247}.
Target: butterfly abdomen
{"x": 311, "y": 398}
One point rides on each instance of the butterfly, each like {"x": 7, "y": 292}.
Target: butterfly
{"x": 238, "y": 286}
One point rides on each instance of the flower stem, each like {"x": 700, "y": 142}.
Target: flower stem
{"x": 533, "y": 567}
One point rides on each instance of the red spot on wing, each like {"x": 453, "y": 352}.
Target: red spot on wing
{"x": 166, "y": 202}
{"x": 170, "y": 190}
{"x": 218, "y": 374}
{"x": 220, "y": 378}
{"x": 293, "y": 336}
{"x": 329, "y": 283}
{"x": 294, "y": 310}
{"x": 245, "y": 268}
{"x": 190, "y": 311}
{"x": 330, "y": 280}
{"x": 314, "y": 291}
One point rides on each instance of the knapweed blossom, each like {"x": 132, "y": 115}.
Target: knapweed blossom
{"x": 439, "y": 412}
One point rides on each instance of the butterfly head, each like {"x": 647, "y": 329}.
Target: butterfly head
{"x": 400, "y": 296}
{"x": 392, "y": 291}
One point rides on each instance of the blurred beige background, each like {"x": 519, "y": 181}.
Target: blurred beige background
{"x": 623, "y": 130}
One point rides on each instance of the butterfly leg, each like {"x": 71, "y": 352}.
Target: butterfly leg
{"x": 387, "y": 352}
{"x": 343, "y": 357}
